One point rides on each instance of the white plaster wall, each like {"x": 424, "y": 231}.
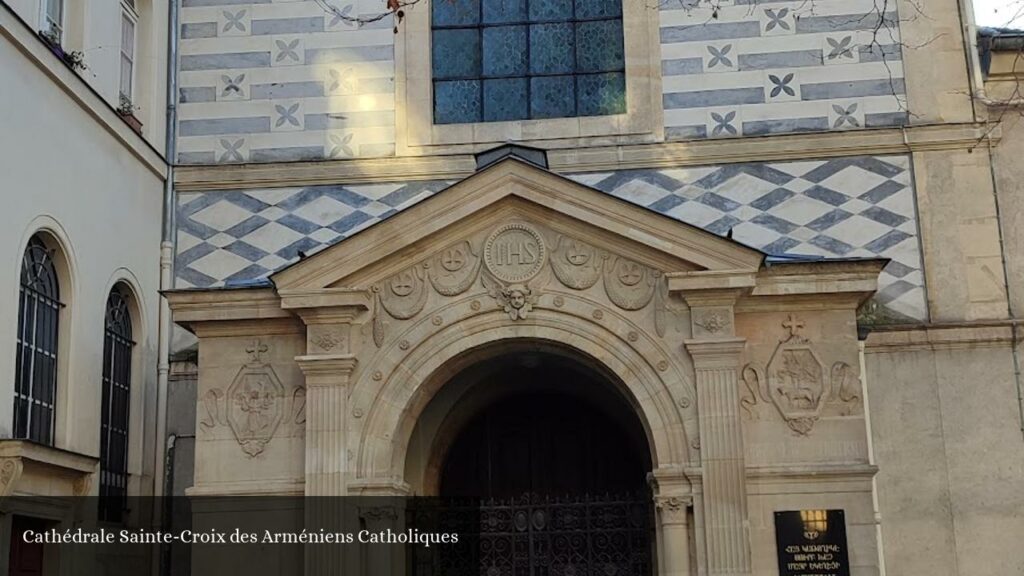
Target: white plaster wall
{"x": 60, "y": 168}
{"x": 94, "y": 27}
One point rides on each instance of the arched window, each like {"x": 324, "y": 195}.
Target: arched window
{"x": 35, "y": 380}
{"x": 497, "y": 60}
{"x": 117, "y": 379}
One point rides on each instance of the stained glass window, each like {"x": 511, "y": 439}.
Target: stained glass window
{"x": 497, "y": 60}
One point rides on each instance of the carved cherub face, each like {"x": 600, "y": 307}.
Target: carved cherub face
{"x": 516, "y": 299}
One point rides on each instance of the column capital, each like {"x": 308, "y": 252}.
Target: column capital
{"x": 673, "y": 509}
{"x": 327, "y": 369}
{"x": 715, "y": 352}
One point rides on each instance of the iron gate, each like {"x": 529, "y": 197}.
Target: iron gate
{"x": 609, "y": 535}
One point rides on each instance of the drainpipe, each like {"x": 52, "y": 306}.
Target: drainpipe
{"x": 167, "y": 246}
{"x": 974, "y": 76}
{"x": 871, "y": 455}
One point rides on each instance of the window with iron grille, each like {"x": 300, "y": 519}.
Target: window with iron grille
{"x": 496, "y": 60}
{"x": 117, "y": 377}
{"x": 35, "y": 379}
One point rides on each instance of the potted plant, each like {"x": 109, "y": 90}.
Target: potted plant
{"x": 74, "y": 59}
{"x": 126, "y": 110}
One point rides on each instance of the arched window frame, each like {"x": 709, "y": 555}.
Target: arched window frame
{"x": 116, "y": 402}
{"x": 37, "y": 362}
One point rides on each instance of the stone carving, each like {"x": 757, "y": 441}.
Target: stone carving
{"x": 299, "y": 405}
{"x": 211, "y": 403}
{"x": 794, "y": 382}
{"x": 516, "y": 300}
{"x": 254, "y": 407}
{"x": 845, "y": 387}
{"x": 713, "y": 321}
{"x": 326, "y": 341}
{"x": 10, "y": 472}
{"x": 629, "y": 285}
{"x": 673, "y": 508}
{"x": 454, "y": 269}
{"x": 575, "y": 263}
{"x": 512, "y": 257}
{"x": 81, "y": 485}
{"x": 514, "y": 253}
{"x": 404, "y": 294}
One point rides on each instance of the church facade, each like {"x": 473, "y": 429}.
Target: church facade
{"x": 736, "y": 282}
{"x": 766, "y": 250}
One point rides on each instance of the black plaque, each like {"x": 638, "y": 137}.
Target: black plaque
{"x": 811, "y": 543}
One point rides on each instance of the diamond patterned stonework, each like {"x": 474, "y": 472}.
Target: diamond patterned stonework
{"x": 839, "y": 208}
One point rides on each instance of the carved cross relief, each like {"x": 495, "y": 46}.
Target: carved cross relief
{"x": 796, "y": 383}
{"x": 253, "y": 406}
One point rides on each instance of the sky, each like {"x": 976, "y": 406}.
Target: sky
{"x": 999, "y": 13}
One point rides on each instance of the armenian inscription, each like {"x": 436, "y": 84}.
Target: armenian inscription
{"x": 812, "y": 543}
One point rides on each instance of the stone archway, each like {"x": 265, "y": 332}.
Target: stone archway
{"x": 398, "y": 387}
{"x": 530, "y": 380}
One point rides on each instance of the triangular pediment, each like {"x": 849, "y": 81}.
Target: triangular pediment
{"x": 554, "y": 209}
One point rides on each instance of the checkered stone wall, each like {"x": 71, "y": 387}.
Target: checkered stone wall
{"x": 839, "y": 208}
{"x": 754, "y": 67}
{"x": 265, "y": 81}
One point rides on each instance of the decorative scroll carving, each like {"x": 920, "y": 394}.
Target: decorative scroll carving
{"x": 575, "y": 263}
{"x": 212, "y": 405}
{"x": 10, "y": 472}
{"x": 378, "y": 323}
{"x": 845, "y": 387}
{"x": 516, "y": 300}
{"x": 661, "y": 307}
{"x": 629, "y": 285}
{"x": 794, "y": 382}
{"x": 454, "y": 269}
{"x": 81, "y": 485}
{"x": 254, "y": 408}
{"x": 299, "y": 405}
{"x": 404, "y": 294}
{"x": 752, "y": 377}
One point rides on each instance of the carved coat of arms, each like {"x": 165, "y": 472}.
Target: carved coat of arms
{"x": 795, "y": 382}
{"x": 255, "y": 403}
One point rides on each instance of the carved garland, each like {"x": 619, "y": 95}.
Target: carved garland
{"x": 513, "y": 257}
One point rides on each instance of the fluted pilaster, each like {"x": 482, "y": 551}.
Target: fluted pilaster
{"x": 716, "y": 363}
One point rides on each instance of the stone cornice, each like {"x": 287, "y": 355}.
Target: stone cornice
{"x": 596, "y": 158}
{"x": 960, "y": 336}
{"x": 190, "y": 307}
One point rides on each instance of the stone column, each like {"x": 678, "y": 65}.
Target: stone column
{"x": 675, "y": 537}
{"x": 672, "y": 500}
{"x": 716, "y": 357}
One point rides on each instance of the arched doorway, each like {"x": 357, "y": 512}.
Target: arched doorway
{"x": 539, "y": 455}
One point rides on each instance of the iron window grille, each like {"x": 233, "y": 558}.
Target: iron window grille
{"x": 35, "y": 379}
{"x": 117, "y": 375}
